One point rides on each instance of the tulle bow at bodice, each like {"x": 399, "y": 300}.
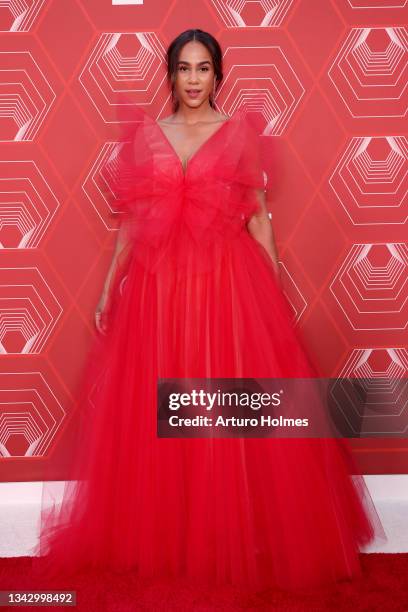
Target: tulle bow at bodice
{"x": 204, "y": 204}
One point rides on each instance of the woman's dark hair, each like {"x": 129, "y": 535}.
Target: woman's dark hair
{"x": 173, "y": 53}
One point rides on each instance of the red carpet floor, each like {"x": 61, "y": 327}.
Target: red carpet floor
{"x": 383, "y": 587}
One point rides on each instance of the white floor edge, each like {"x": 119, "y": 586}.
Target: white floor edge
{"x": 20, "y": 506}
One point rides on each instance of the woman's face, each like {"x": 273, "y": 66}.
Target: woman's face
{"x": 194, "y": 81}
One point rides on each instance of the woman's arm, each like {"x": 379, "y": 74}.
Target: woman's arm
{"x": 122, "y": 240}
{"x": 121, "y": 243}
{"x": 260, "y": 228}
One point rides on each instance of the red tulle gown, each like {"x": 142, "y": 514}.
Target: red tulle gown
{"x": 196, "y": 296}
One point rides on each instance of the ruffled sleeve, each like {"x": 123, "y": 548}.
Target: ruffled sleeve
{"x": 129, "y": 164}
{"x": 253, "y": 171}
{"x": 251, "y": 164}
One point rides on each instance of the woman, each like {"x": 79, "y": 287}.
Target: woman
{"x": 193, "y": 291}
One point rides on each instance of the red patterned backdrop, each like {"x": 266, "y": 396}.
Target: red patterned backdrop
{"x": 327, "y": 79}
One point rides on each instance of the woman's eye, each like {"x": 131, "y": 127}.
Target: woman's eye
{"x": 184, "y": 68}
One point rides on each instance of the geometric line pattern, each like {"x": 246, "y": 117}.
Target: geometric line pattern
{"x": 29, "y": 311}
{"x": 381, "y": 405}
{"x": 370, "y": 72}
{"x": 252, "y": 13}
{"x": 371, "y": 286}
{"x": 271, "y": 89}
{"x": 22, "y": 14}
{"x": 26, "y": 96}
{"x": 371, "y": 180}
{"x": 27, "y": 204}
{"x": 123, "y": 63}
{"x": 30, "y": 415}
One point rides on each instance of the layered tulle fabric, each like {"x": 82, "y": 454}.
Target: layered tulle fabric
{"x": 196, "y": 296}
{"x": 171, "y": 212}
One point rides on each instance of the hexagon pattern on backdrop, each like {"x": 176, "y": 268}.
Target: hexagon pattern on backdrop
{"x": 328, "y": 89}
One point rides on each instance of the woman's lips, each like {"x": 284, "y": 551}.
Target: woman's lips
{"x": 193, "y": 93}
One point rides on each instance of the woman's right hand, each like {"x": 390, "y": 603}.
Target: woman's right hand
{"x": 101, "y": 315}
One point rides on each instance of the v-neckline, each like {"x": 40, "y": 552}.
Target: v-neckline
{"x": 184, "y": 168}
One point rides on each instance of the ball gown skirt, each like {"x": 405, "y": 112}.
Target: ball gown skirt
{"x": 195, "y": 295}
